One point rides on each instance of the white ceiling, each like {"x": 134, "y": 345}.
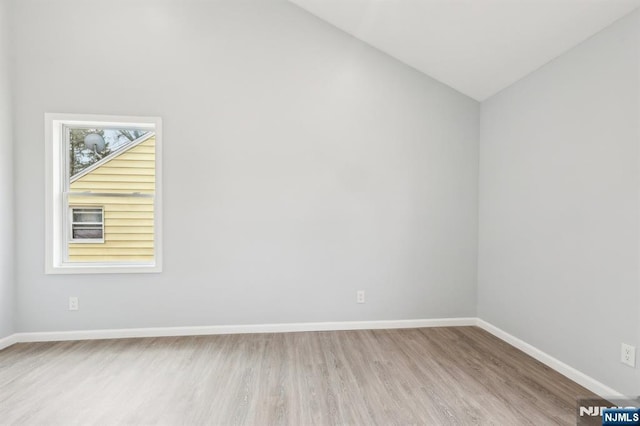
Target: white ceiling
{"x": 478, "y": 47}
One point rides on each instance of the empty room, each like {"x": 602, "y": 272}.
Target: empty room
{"x": 319, "y": 212}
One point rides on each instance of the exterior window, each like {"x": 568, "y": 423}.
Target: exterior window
{"x": 87, "y": 224}
{"x": 103, "y": 194}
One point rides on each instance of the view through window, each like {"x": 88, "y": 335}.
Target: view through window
{"x": 107, "y": 197}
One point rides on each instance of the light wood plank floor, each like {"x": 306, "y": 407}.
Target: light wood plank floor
{"x": 431, "y": 376}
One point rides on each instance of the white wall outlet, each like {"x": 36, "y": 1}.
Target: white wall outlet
{"x": 628, "y": 355}
{"x": 73, "y": 304}
{"x": 360, "y": 296}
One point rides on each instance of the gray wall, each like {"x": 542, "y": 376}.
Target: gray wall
{"x": 300, "y": 166}
{"x": 6, "y": 183}
{"x": 559, "y": 215}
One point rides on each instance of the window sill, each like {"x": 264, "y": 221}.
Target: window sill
{"x": 138, "y": 268}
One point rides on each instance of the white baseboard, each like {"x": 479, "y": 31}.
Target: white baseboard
{"x": 5, "y": 342}
{"x": 577, "y": 376}
{"x": 564, "y": 369}
{"x": 238, "y": 329}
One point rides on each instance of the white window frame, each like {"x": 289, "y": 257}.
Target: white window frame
{"x": 56, "y": 213}
{"x": 72, "y": 222}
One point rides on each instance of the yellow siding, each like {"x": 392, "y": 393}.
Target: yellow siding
{"x": 147, "y": 187}
{"x": 114, "y": 214}
{"x": 128, "y": 221}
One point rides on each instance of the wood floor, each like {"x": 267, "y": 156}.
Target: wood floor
{"x": 429, "y": 376}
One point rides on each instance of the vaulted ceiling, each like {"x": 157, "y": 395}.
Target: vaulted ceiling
{"x": 478, "y": 47}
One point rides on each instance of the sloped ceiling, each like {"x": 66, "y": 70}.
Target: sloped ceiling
{"x": 478, "y": 47}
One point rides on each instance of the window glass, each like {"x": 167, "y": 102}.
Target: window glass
{"x": 87, "y": 215}
{"x": 87, "y": 224}
{"x": 88, "y": 232}
{"x": 87, "y": 146}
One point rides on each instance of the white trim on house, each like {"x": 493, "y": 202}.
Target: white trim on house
{"x": 566, "y": 370}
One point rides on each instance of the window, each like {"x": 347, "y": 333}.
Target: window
{"x": 103, "y": 194}
{"x": 87, "y": 224}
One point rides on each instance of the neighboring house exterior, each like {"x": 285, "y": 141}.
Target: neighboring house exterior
{"x": 126, "y": 232}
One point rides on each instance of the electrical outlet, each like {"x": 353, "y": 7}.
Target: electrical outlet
{"x": 360, "y": 296}
{"x": 628, "y": 355}
{"x": 73, "y": 304}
